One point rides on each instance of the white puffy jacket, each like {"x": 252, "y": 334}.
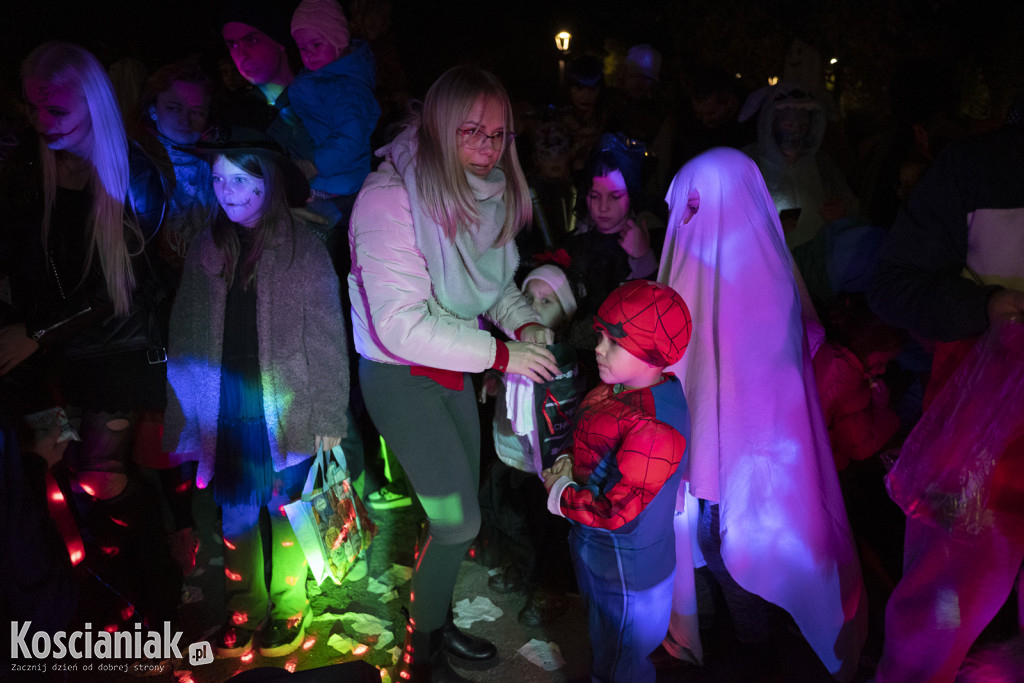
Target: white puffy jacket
{"x": 395, "y": 316}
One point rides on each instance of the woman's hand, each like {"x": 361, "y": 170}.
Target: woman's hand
{"x": 327, "y": 443}
{"x": 531, "y": 360}
{"x": 537, "y": 334}
{"x": 15, "y": 346}
{"x": 634, "y": 238}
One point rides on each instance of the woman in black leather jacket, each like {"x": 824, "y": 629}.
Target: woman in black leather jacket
{"x": 83, "y": 332}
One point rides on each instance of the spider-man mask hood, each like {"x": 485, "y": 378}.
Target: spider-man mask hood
{"x": 648, "y": 319}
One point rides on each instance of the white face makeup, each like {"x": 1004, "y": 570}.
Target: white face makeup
{"x": 608, "y": 202}
{"x": 240, "y": 194}
{"x": 60, "y": 115}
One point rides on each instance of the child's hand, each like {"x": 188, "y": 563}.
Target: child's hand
{"x": 561, "y": 468}
{"x": 537, "y": 334}
{"x": 634, "y": 238}
{"x": 549, "y": 479}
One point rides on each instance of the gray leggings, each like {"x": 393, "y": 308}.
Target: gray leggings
{"x": 435, "y": 434}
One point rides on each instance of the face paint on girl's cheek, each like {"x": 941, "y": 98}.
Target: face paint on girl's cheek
{"x": 240, "y": 194}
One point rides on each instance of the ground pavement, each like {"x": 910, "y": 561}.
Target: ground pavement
{"x": 342, "y": 631}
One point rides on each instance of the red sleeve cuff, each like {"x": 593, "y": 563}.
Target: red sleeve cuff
{"x": 500, "y": 356}
{"x": 519, "y": 330}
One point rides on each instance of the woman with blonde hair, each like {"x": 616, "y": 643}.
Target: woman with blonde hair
{"x": 432, "y": 251}
{"x": 77, "y": 226}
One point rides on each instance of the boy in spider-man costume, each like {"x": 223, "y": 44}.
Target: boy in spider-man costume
{"x": 619, "y": 487}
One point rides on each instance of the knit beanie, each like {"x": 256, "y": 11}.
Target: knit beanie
{"x": 648, "y": 319}
{"x": 326, "y": 18}
{"x": 555, "y": 278}
{"x": 267, "y": 16}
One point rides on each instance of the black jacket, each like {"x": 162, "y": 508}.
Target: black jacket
{"x": 61, "y": 298}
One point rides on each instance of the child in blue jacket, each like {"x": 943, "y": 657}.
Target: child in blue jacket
{"x": 334, "y": 97}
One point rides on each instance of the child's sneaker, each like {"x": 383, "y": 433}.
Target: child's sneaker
{"x": 386, "y": 499}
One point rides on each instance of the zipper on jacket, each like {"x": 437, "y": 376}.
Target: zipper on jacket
{"x": 38, "y": 334}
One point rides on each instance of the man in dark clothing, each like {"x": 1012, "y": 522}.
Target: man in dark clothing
{"x": 951, "y": 267}
{"x": 256, "y": 33}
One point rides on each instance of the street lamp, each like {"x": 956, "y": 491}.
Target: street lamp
{"x": 562, "y": 43}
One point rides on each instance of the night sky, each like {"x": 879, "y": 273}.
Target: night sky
{"x": 515, "y": 38}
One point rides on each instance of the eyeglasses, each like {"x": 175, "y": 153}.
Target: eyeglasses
{"x": 474, "y": 138}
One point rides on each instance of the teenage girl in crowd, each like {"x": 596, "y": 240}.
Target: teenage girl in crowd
{"x": 77, "y": 230}
{"x": 611, "y": 244}
{"x": 257, "y": 382}
{"x": 433, "y": 249}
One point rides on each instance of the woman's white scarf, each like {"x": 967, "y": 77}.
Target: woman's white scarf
{"x": 468, "y": 274}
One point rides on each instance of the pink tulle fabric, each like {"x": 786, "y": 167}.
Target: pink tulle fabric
{"x": 759, "y": 445}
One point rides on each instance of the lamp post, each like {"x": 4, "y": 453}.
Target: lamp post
{"x": 562, "y": 43}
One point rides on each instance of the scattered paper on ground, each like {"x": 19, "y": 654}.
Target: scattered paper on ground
{"x": 369, "y": 625}
{"x": 394, "y": 577}
{"x": 364, "y": 624}
{"x": 342, "y": 644}
{"x": 479, "y": 609}
{"x": 547, "y": 656}
{"x": 395, "y": 653}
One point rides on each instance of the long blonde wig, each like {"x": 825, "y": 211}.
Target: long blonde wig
{"x": 71, "y": 66}
{"x": 440, "y": 177}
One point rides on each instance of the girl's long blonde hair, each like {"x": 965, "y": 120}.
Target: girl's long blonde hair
{"x": 74, "y": 67}
{"x": 440, "y": 176}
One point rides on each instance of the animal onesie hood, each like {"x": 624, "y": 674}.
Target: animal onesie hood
{"x": 813, "y": 178}
{"x": 759, "y": 446}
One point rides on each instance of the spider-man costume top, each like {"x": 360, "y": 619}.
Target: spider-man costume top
{"x": 624, "y": 450}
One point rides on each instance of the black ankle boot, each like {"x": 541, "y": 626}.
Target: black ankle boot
{"x": 424, "y": 659}
{"x": 472, "y": 652}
